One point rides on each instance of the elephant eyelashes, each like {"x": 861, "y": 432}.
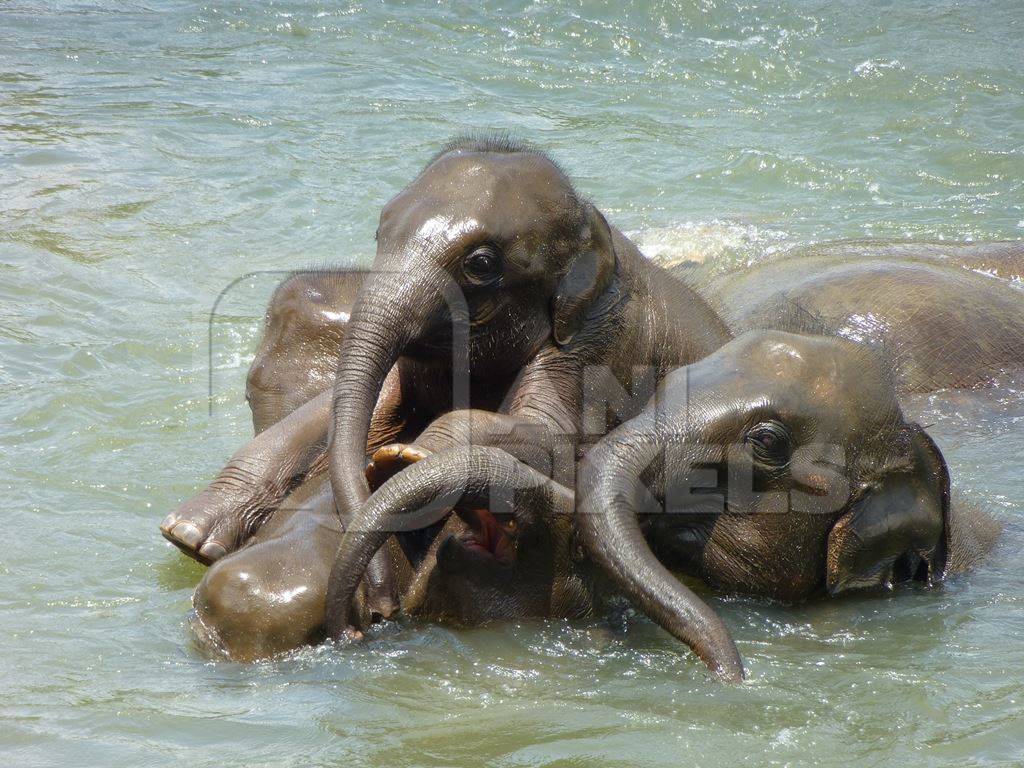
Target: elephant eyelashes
{"x": 770, "y": 443}
{"x": 482, "y": 265}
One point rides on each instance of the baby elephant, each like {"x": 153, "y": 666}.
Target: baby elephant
{"x": 780, "y": 465}
{"x": 269, "y": 597}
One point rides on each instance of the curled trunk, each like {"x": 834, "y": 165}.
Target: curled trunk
{"x": 609, "y": 493}
{"x": 374, "y": 340}
{"x": 422, "y": 494}
{"x": 372, "y": 345}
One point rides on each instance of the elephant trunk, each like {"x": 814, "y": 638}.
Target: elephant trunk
{"x": 374, "y": 340}
{"x": 422, "y": 494}
{"x": 390, "y": 311}
{"x": 609, "y": 493}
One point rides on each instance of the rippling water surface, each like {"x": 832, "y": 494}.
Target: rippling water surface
{"x": 156, "y": 156}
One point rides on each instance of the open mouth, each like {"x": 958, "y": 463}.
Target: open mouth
{"x": 487, "y": 535}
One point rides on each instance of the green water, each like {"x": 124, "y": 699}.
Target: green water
{"x": 152, "y": 154}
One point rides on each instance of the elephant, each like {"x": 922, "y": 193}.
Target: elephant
{"x": 778, "y": 466}
{"x": 307, "y": 313}
{"x": 803, "y": 524}
{"x": 622, "y": 328}
{"x": 890, "y": 305}
{"x": 493, "y": 274}
{"x": 267, "y": 598}
{"x": 759, "y": 470}
{"x": 942, "y": 315}
{"x": 267, "y": 595}
{"x": 853, "y": 289}
{"x": 495, "y": 285}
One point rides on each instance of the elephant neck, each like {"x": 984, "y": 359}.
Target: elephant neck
{"x": 428, "y": 383}
{"x": 672, "y": 320}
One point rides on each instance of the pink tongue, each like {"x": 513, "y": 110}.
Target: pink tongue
{"x": 490, "y": 535}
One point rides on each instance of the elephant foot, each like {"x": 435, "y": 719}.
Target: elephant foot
{"x": 205, "y": 531}
{"x": 390, "y": 460}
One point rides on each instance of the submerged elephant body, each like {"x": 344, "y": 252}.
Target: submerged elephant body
{"x": 269, "y": 597}
{"x": 588, "y": 300}
{"x": 292, "y": 554}
{"x": 489, "y": 265}
{"x": 928, "y": 311}
{"x": 781, "y": 537}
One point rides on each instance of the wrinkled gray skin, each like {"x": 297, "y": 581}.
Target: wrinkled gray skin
{"x": 935, "y": 321}
{"x": 492, "y": 235}
{"x": 922, "y": 319}
{"x": 808, "y": 476}
{"x": 885, "y": 518}
{"x": 549, "y": 289}
{"x": 265, "y": 621}
{"x": 565, "y": 282}
{"x": 294, "y": 364}
{"x": 268, "y": 597}
{"x": 779, "y": 465}
{"x": 888, "y": 307}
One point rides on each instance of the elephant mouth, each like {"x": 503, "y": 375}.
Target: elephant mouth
{"x": 486, "y": 535}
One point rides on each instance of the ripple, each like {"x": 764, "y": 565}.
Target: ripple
{"x": 158, "y": 155}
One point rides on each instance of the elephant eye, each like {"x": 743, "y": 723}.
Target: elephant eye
{"x": 770, "y": 443}
{"x": 482, "y": 265}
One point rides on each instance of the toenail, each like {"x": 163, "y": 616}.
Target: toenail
{"x": 187, "y": 534}
{"x": 213, "y": 550}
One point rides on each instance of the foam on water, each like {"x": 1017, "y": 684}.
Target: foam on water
{"x": 726, "y": 243}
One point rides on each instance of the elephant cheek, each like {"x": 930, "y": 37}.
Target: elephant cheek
{"x": 780, "y": 556}
{"x": 849, "y": 564}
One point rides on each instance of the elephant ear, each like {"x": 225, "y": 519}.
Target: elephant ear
{"x": 899, "y": 529}
{"x": 588, "y": 277}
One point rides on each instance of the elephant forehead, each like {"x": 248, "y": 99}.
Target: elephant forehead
{"x": 836, "y": 388}
{"x": 824, "y": 368}
{"x": 457, "y": 172}
{"x": 498, "y": 190}
{"x": 445, "y": 227}
{"x": 456, "y": 229}
{"x": 843, "y": 395}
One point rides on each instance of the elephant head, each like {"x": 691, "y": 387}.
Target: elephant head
{"x": 780, "y": 465}
{"x": 483, "y": 258}
{"x": 508, "y": 551}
